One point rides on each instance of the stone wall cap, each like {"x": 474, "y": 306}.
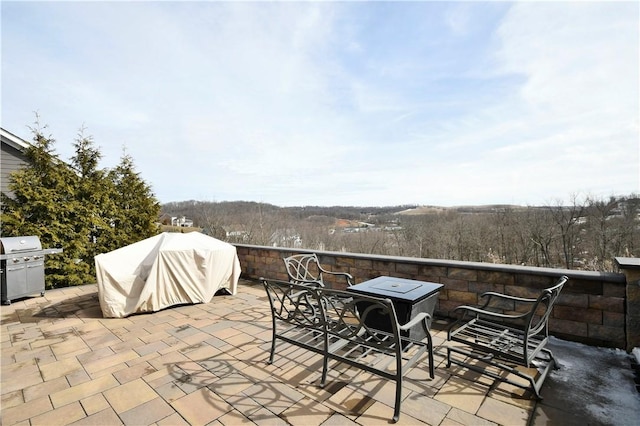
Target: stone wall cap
{"x": 612, "y": 277}
{"x": 628, "y": 262}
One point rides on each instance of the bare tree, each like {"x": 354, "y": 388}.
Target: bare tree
{"x": 418, "y": 234}
{"x": 566, "y": 219}
{"x": 542, "y": 234}
{"x": 211, "y": 219}
{"x": 571, "y": 236}
{"x": 601, "y": 232}
{"x": 629, "y": 229}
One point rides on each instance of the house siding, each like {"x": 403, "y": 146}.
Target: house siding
{"x": 11, "y": 158}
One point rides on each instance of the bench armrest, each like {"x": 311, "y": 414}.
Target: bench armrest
{"x": 422, "y": 316}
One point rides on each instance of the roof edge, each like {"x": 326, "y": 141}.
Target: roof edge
{"x": 13, "y": 140}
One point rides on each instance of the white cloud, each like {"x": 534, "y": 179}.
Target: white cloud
{"x": 570, "y": 122}
{"x": 576, "y": 59}
{"x": 458, "y": 18}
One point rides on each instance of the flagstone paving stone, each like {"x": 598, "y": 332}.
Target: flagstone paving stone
{"x": 101, "y": 418}
{"x": 11, "y": 399}
{"x": 201, "y": 407}
{"x": 502, "y": 413}
{"x": 147, "y": 413}
{"x": 20, "y": 382}
{"x": 134, "y": 372}
{"x": 45, "y": 388}
{"x": 60, "y": 416}
{"x": 462, "y": 394}
{"x": 94, "y": 404}
{"x": 25, "y": 411}
{"x": 60, "y": 368}
{"x": 77, "y": 377}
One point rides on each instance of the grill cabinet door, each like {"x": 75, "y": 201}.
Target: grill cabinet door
{"x": 35, "y": 275}
{"x": 16, "y": 278}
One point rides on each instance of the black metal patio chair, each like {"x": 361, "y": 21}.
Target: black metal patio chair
{"x": 506, "y": 332}
{"x": 306, "y": 269}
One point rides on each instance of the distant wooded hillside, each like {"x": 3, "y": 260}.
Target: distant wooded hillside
{"x": 582, "y": 235}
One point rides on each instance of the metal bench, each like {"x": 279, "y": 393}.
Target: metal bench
{"x": 506, "y": 332}
{"x": 306, "y": 268}
{"x": 332, "y": 323}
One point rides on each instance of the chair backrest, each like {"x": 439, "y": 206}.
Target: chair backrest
{"x": 539, "y": 316}
{"x": 293, "y": 303}
{"x": 303, "y": 268}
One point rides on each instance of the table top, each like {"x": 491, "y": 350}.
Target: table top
{"x": 397, "y": 288}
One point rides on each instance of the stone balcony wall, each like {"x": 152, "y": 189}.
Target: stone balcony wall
{"x": 592, "y": 307}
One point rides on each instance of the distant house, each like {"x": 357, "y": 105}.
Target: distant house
{"x": 237, "y": 236}
{"x": 12, "y": 157}
{"x": 181, "y": 221}
{"x": 285, "y": 238}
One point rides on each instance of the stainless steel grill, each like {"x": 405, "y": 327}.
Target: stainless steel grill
{"x": 22, "y": 267}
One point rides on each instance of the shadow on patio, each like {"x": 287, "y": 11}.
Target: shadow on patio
{"x": 62, "y": 363}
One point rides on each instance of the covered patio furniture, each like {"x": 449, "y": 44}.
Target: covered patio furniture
{"x": 165, "y": 270}
{"x": 508, "y": 333}
{"x": 306, "y": 269}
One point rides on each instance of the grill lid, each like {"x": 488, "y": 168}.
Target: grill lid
{"x": 9, "y": 245}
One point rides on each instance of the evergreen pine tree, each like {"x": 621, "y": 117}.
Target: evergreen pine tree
{"x": 137, "y": 208}
{"x": 95, "y": 194}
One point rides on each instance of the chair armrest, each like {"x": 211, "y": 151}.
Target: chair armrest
{"x": 491, "y": 294}
{"x": 490, "y": 314}
{"x": 422, "y": 316}
{"x": 492, "y": 300}
{"x": 347, "y": 276}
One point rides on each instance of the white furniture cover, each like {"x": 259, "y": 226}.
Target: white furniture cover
{"x": 165, "y": 270}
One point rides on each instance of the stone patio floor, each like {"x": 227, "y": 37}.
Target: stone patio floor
{"x": 63, "y": 363}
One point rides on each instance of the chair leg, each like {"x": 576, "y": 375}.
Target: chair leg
{"x": 552, "y": 359}
{"x": 430, "y": 350}
{"x": 273, "y": 348}
{"x": 396, "y": 409}
{"x": 325, "y": 368}
{"x": 533, "y": 385}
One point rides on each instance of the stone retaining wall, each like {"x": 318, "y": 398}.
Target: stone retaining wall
{"x": 591, "y": 308}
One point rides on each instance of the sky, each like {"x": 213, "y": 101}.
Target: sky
{"x": 337, "y": 103}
